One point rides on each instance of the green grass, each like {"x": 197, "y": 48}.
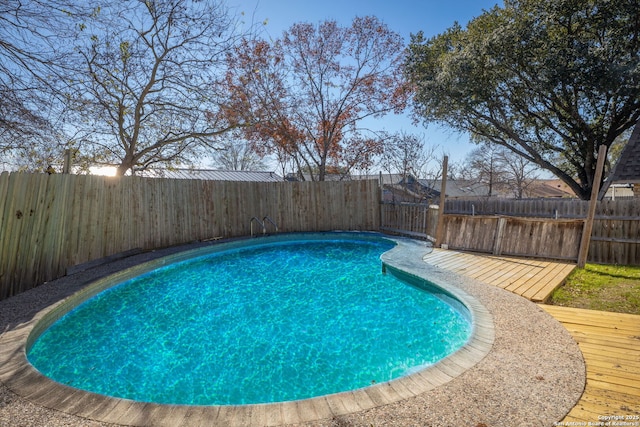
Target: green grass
{"x": 601, "y": 287}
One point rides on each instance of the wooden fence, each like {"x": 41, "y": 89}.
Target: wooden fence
{"x": 542, "y": 238}
{"x": 52, "y": 222}
{"x": 532, "y": 208}
{"x": 411, "y": 219}
{"x": 615, "y": 238}
{"x": 543, "y": 208}
{"x": 544, "y": 228}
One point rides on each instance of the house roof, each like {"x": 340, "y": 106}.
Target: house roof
{"x": 459, "y": 187}
{"x": 551, "y": 188}
{"x": 387, "y": 178}
{"x": 293, "y": 176}
{"x": 213, "y": 175}
{"x": 404, "y": 191}
{"x": 627, "y": 169}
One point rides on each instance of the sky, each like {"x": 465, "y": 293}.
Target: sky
{"x": 405, "y": 17}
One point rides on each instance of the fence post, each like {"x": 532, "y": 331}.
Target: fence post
{"x": 66, "y": 168}
{"x": 443, "y": 190}
{"x": 588, "y": 223}
{"x": 381, "y": 200}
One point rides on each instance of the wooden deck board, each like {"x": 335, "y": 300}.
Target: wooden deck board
{"x": 605, "y": 361}
{"x": 553, "y": 283}
{"x": 505, "y": 275}
{"x": 615, "y": 322}
{"x": 523, "y": 278}
{"x": 466, "y": 262}
{"x": 554, "y": 279}
{"x": 613, "y": 407}
{"x": 610, "y": 344}
{"x": 532, "y": 279}
{"x": 600, "y": 338}
{"x": 546, "y": 278}
{"x": 488, "y": 267}
{"x": 621, "y": 398}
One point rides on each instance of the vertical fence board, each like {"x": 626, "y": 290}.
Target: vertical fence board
{"x": 9, "y": 240}
{"x": 59, "y": 223}
{"x": 289, "y": 210}
{"x": 36, "y": 220}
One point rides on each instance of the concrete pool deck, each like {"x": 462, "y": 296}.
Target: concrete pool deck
{"x": 521, "y": 368}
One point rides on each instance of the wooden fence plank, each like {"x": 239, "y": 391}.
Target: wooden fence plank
{"x": 37, "y": 219}
{"x": 13, "y": 216}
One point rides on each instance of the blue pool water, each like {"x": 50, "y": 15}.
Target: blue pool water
{"x": 262, "y": 323}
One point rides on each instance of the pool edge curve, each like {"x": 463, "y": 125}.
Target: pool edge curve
{"x": 21, "y": 377}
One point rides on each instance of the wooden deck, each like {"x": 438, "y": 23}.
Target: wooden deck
{"x": 532, "y": 279}
{"x": 610, "y": 344}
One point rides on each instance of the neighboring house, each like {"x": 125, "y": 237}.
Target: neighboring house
{"x": 548, "y": 188}
{"x": 626, "y": 172}
{"x": 403, "y": 188}
{"x": 402, "y": 194}
{"x": 460, "y": 188}
{"x": 468, "y": 189}
{"x": 294, "y": 177}
{"x": 332, "y": 173}
{"x": 618, "y": 191}
{"x": 212, "y": 175}
{"x": 396, "y": 187}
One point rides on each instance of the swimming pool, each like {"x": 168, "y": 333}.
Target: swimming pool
{"x": 273, "y": 330}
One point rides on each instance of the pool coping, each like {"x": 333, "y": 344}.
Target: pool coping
{"x": 24, "y": 380}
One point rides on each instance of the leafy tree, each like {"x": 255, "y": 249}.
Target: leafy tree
{"x": 551, "y": 80}
{"x": 306, "y": 93}
{"x": 144, "y": 95}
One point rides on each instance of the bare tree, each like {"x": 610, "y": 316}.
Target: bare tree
{"x": 500, "y": 169}
{"x": 518, "y": 173}
{"x": 484, "y": 166}
{"x": 35, "y": 46}
{"x": 408, "y": 154}
{"x": 238, "y": 155}
{"x": 145, "y": 95}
